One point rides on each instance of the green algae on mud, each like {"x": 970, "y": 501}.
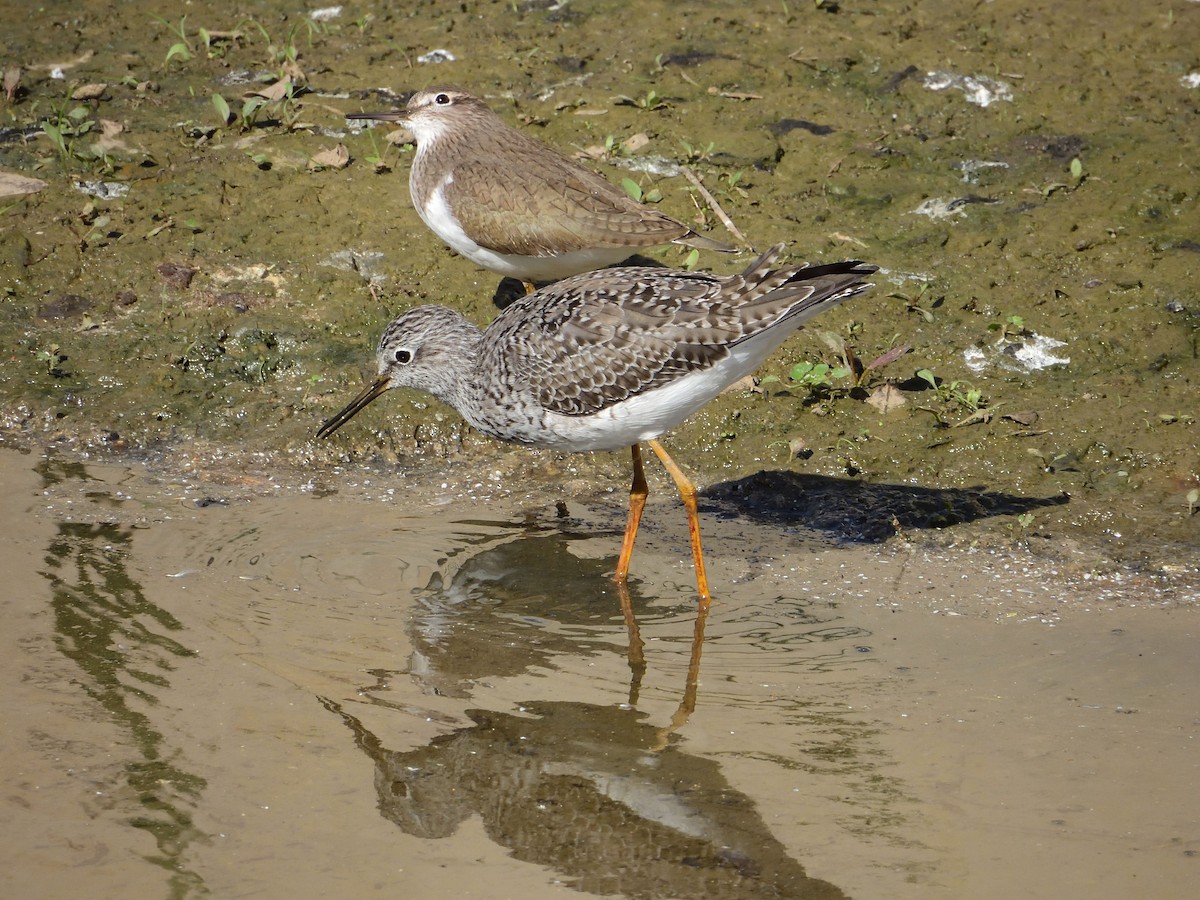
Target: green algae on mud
{"x": 231, "y": 299}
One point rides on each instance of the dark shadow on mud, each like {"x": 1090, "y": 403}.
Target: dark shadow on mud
{"x": 861, "y": 511}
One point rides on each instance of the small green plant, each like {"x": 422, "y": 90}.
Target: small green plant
{"x": 634, "y": 190}
{"x": 816, "y": 375}
{"x": 285, "y": 53}
{"x": 250, "y": 109}
{"x": 960, "y": 392}
{"x": 915, "y": 304}
{"x": 697, "y": 153}
{"x": 181, "y": 49}
{"x": 52, "y": 358}
{"x": 733, "y": 183}
{"x": 375, "y": 158}
{"x": 649, "y": 102}
{"x": 64, "y": 126}
{"x": 1012, "y": 327}
{"x": 1019, "y": 528}
{"x": 824, "y": 377}
{"x": 1076, "y": 177}
{"x": 221, "y": 105}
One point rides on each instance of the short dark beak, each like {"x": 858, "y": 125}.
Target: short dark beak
{"x": 354, "y": 407}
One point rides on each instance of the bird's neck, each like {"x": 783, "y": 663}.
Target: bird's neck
{"x": 458, "y": 383}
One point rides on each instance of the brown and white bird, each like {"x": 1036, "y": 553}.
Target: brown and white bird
{"x": 514, "y": 205}
{"x": 607, "y": 359}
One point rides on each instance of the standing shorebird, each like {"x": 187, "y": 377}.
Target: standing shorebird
{"x": 514, "y": 205}
{"x": 607, "y": 360}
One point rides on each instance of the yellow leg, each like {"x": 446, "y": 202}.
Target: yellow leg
{"x": 638, "y": 492}
{"x": 687, "y": 493}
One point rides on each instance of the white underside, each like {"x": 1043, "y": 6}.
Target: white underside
{"x": 649, "y": 414}
{"x": 441, "y": 222}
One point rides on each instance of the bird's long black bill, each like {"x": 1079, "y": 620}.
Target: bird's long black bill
{"x": 391, "y": 115}
{"x": 353, "y": 408}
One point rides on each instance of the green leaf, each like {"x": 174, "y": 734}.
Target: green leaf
{"x": 632, "y": 188}
{"x": 928, "y": 376}
{"x": 222, "y": 107}
{"x": 800, "y": 371}
{"x": 179, "y": 50}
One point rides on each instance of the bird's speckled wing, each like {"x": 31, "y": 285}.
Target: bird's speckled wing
{"x": 590, "y": 341}
{"x": 594, "y": 340}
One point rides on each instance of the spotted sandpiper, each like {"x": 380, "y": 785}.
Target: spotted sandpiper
{"x": 607, "y": 359}
{"x": 514, "y": 205}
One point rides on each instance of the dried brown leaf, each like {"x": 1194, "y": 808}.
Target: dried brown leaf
{"x": 887, "y": 398}
{"x": 14, "y": 185}
{"x": 12, "y": 81}
{"x": 635, "y": 142}
{"x": 1025, "y": 417}
{"x": 92, "y": 91}
{"x": 890, "y": 357}
{"x": 272, "y": 93}
{"x": 335, "y": 158}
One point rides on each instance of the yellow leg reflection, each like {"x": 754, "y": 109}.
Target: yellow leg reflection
{"x": 637, "y": 666}
{"x": 637, "y": 647}
{"x": 687, "y": 705}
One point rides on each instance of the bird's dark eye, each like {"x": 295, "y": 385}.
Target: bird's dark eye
{"x": 441, "y": 99}
{"x": 403, "y": 356}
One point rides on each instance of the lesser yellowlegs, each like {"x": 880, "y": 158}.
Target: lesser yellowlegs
{"x": 607, "y": 359}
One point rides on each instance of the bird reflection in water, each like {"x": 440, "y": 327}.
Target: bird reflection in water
{"x": 593, "y": 791}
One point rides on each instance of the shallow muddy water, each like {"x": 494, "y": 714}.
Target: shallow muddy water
{"x": 953, "y": 648}
{"x": 257, "y": 689}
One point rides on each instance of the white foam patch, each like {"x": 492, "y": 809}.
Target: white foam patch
{"x": 1028, "y": 353}
{"x": 978, "y": 89}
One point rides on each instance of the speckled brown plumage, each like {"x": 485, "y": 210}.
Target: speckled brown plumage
{"x": 582, "y": 363}
{"x": 608, "y": 359}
